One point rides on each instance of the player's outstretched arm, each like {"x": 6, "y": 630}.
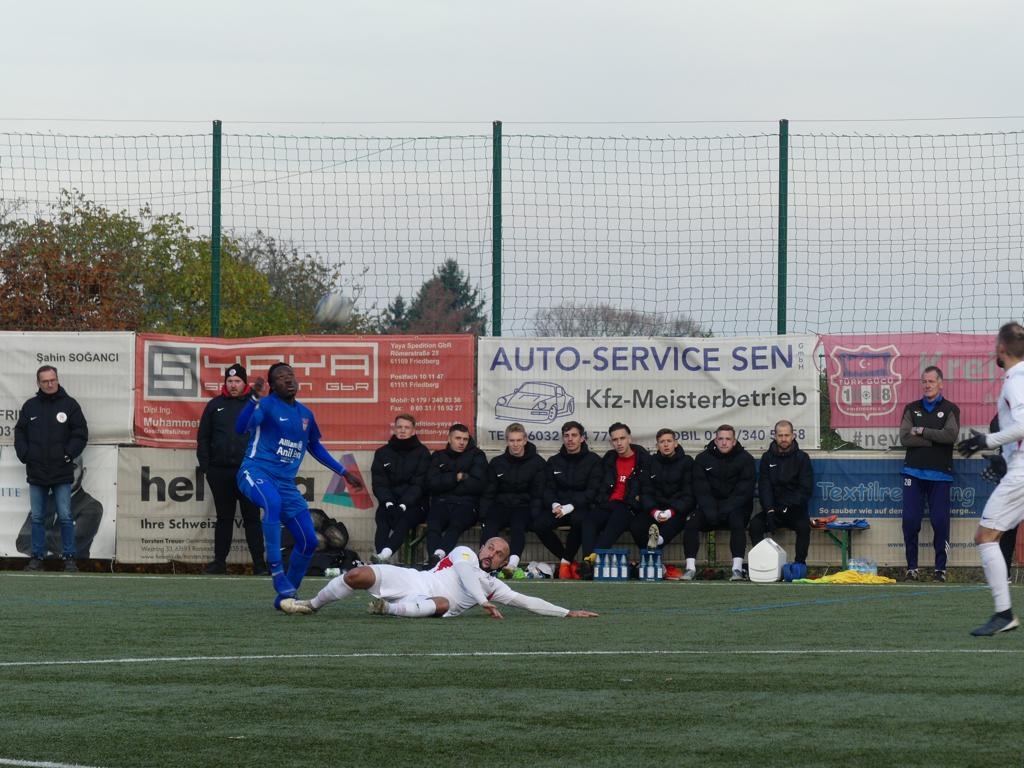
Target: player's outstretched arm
{"x": 492, "y": 609}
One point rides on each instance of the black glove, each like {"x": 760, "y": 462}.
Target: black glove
{"x": 996, "y": 469}
{"x": 973, "y": 444}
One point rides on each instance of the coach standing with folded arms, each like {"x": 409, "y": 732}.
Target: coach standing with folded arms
{"x": 928, "y": 430}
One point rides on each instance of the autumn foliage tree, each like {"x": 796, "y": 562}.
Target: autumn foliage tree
{"x": 84, "y": 267}
{"x": 42, "y": 287}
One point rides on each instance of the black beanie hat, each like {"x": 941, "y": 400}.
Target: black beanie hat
{"x": 236, "y": 370}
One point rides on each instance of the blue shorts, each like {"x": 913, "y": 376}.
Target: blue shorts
{"x": 278, "y": 498}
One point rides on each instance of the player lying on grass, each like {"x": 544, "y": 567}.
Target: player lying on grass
{"x": 460, "y": 581}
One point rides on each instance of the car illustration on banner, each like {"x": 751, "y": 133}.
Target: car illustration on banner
{"x": 540, "y": 401}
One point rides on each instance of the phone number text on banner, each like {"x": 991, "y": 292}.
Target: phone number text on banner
{"x": 355, "y": 385}
{"x": 688, "y": 385}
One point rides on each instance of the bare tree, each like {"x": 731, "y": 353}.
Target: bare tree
{"x": 570, "y": 319}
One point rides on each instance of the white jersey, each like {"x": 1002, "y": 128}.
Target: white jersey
{"x": 459, "y": 579}
{"x": 1005, "y": 507}
{"x": 1011, "y": 416}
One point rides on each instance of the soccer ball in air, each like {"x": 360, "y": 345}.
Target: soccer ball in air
{"x": 333, "y": 310}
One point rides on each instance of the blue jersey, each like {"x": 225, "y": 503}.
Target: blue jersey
{"x": 279, "y": 434}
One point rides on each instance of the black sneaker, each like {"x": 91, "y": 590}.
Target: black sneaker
{"x": 939, "y": 576}
{"x": 34, "y": 564}
{"x": 586, "y": 570}
{"x": 912, "y": 574}
{"x": 215, "y": 567}
{"x": 70, "y": 566}
{"x": 260, "y": 569}
{"x": 995, "y": 625}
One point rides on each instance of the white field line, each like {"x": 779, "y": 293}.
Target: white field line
{"x": 510, "y": 654}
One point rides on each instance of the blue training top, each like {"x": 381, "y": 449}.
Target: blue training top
{"x": 279, "y": 434}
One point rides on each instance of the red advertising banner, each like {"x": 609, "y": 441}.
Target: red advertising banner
{"x": 871, "y": 377}
{"x": 355, "y": 385}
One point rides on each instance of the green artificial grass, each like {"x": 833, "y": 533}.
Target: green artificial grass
{"x": 201, "y": 671}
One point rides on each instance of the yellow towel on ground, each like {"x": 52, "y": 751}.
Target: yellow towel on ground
{"x": 848, "y": 577}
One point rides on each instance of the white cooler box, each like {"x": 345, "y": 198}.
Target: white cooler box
{"x": 765, "y": 561}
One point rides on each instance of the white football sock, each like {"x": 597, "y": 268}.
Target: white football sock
{"x": 513, "y": 561}
{"x": 417, "y": 608}
{"x": 691, "y": 563}
{"x": 336, "y": 589}
{"x": 994, "y": 565}
{"x": 737, "y": 563}
{"x": 385, "y": 553}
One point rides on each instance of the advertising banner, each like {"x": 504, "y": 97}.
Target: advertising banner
{"x": 689, "y": 385}
{"x": 870, "y": 486}
{"x": 97, "y": 369}
{"x": 166, "y": 510}
{"x": 871, "y": 378}
{"x": 355, "y": 385}
{"x": 93, "y": 506}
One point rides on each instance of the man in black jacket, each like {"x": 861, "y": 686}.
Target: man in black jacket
{"x": 50, "y": 434}
{"x": 399, "y": 472}
{"x": 666, "y": 492}
{"x": 514, "y": 492}
{"x": 573, "y": 488}
{"x": 455, "y": 480}
{"x": 928, "y": 429}
{"x": 622, "y": 468}
{"x": 784, "y": 486}
{"x": 219, "y": 452}
{"x": 723, "y": 482}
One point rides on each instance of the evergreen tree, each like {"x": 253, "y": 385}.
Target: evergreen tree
{"x": 445, "y": 303}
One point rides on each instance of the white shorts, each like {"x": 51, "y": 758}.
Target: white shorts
{"x": 397, "y": 583}
{"x": 1005, "y": 507}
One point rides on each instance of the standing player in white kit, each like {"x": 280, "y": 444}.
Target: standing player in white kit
{"x": 1005, "y": 507}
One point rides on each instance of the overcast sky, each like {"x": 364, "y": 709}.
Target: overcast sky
{"x": 656, "y": 68}
{"x": 521, "y": 61}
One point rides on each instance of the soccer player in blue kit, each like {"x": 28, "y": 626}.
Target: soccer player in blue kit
{"x": 281, "y": 429}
